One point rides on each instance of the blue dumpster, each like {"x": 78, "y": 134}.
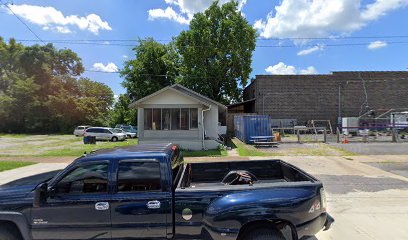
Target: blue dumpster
{"x": 89, "y": 140}
{"x": 248, "y": 126}
{"x": 86, "y": 139}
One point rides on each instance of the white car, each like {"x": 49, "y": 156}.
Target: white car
{"x": 80, "y": 130}
{"x": 119, "y": 130}
{"x": 103, "y": 133}
{"x": 130, "y": 131}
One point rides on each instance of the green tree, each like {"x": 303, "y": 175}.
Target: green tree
{"x": 216, "y": 52}
{"x": 41, "y": 90}
{"x": 154, "y": 67}
{"x": 121, "y": 113}
{"x": 94, "y": 102}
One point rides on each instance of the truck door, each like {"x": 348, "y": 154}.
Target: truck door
{"x": 141, "y": 204}
{"x": 79, "y": 208}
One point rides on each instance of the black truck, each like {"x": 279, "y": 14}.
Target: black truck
{"x": 148, "y": 192}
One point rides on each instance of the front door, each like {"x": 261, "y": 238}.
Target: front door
{"x": 141, "y": 206}
{"x": 80, "y": 207}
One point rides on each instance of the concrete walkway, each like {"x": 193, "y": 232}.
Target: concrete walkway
{"x": 23, "y": 172}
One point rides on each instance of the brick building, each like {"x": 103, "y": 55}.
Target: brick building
{"x": 324, "y": 96}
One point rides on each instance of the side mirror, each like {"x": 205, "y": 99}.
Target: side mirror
{"x": 40, "y": 195}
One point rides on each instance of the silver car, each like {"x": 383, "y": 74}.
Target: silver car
{"x": 80, "y": 130}
{"x": 103, "y": 133}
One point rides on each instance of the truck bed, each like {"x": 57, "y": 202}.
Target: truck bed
{"x": 267, "y": 172}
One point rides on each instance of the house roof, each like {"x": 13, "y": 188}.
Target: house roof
{"x": 185, "y": 92}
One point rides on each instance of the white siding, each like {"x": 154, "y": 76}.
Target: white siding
{"x": 187, "y": 139}
{"x": 170, "y": 97}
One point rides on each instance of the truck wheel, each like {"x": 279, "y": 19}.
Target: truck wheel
{"x": 264, "y": 234}
{"x": 9, "y": 233}
{"x": 114, "y": 139}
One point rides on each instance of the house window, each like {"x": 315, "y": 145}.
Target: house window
{"x": 166, "y": 119}
{"x": 184, "y": 119}
{"x": 175, "y": 118}
{"x": 157, "y": 123}
{"x": 148, "y": 118}
{"x": 171, "y": 118}
{"x": 193, "y": 118}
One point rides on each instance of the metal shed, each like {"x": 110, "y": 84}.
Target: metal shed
{"x": 248, "y": 126}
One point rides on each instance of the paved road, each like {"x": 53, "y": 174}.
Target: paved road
{"x": 367, "y": 202}
{"x": 375, "y": 148}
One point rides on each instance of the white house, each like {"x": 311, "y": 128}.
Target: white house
{"x": 179, "y": 115}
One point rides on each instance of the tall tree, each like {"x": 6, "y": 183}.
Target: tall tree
{"x": 41, "y": 90}
{"x": 217, "y": 52}
{"x": 121, "y": 113}
{"x": 154, "y": 67}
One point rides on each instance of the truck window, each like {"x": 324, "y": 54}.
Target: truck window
{"x": 176, "y": 166}
{"x": 85, "y": 179}
{"x": 138, "y": 176}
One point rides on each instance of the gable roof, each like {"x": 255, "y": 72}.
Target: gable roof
{"x": 183, "y": 91}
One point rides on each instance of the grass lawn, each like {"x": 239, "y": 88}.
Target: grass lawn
{"x": 77, "y": 151}
{"x": 51, "y": 145}
{"x": 246, "y": 150}
{"x": 291, "y": 149}
{"x": 207, "y": 153}
{"x": 8, "y": 165}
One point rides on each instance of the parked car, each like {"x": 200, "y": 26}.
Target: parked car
{"x": 103, "y": 133}
{"x": 148, "y": 192}
{"x": 131, "y": 131}
{"x": 119, "y": 130}
{"x": 80, "y": 130}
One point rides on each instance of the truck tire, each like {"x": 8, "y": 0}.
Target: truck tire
{"x": 264, "y": 234}
{"x": 114, "y": 139}
{"x": 9, "y": 233}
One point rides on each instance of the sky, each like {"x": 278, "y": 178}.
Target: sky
{"x": 294, "y": 36}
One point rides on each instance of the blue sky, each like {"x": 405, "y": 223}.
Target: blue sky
{"x": 278, "y": 22}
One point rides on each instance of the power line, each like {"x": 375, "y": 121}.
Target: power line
{"x": 21, "y": 20}
{"x": 260, "y": 39}
{"x": 106, "y": 43}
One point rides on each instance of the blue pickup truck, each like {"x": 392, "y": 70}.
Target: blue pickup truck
{"x": 148, "y": 192}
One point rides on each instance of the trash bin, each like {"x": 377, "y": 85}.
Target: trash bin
{"x": 92, "y": 140}
{"x": 86, "y": 140}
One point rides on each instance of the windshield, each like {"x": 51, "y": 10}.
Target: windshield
{"x": 116, "y": 130}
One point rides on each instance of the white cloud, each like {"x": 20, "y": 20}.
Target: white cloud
{"x": 52, "y": 19}
{"x": 168, "y": 13}
{"x": 310, "y": 50}
{"x": 125, "y": 56}
{"x": 110, "y": 67}
{"x": 321, "y": 18}
{"x": 376, "y": 45}
{"x": 308, "y": 71}
{"x": 283, "y": 69}
{"x": 186, "y": 9}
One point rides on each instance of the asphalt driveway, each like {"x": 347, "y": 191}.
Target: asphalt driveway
{"x": 375, "y": 148}
{"x": 367, "y": 202}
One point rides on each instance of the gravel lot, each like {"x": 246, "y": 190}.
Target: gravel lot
{"x": 376, "y": 148}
